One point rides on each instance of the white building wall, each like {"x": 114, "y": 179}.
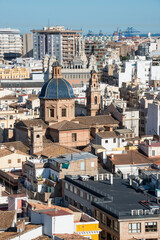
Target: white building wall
{"x": 155, "y": 73}
{"x": 29, "y": 235}
{"x": 132, "y": 121}
{"x": 68, "y": 224}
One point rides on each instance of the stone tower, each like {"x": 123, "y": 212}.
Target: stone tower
{"x": 36, "y": 139}
{"x": 93, "y": 94}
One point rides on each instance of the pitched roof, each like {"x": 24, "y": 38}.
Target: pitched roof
{"x": 18, "y": 145}
{"x": 68, "y": 125}
{"x": 42, "y": 237}
{"x": 131, "y": 157}
{"x": 13, "y": 235}
{"x": 37, "y": 205}
{"x": 7, "y": 218}
{"x": 32, "y": 122}
{"x": 7, "y": 97}
{"x": 73, "y": 236}
{"x": 54, "y": 150}
{"x": 108, "y": 134}
{"x": 56, "y": 213}
{"x": 99, "y": 119}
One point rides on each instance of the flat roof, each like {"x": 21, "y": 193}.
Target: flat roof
{"x": 123, "y": 198}
{"x": 72, "y": 157}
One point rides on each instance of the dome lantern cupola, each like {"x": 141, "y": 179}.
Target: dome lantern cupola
{"x": 57, "y": 70}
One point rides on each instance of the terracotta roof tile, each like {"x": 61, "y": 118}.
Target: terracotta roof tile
{"x": 54, "y": 150}
{"x": 56, "y": 213}
{"x": 99, "y": 119}
{"x": 131, "y": 157}
{"x": 12, "y": 235}
{"x": 18, "y": 145}
{"x": 68, "y": 125}
{"x": 108, "y": 134}
{"x": 32, "y": 122}
{"x": 7, "y": 97}
{"x": 70, "y": 236}
{"x": 7, "y": 218}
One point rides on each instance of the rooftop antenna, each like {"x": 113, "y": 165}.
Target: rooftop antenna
{"x": 48, "y": 23}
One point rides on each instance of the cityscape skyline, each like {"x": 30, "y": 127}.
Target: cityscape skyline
{"x": 106, "y": 16}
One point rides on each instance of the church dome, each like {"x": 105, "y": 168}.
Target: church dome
{"x": 57, "y": 88}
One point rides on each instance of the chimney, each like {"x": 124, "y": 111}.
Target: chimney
{"x": 112, "y": 156}
{"x": 111, "y": 179}
{"x": 130, "y": 181}
{"x": 49, "y": 202}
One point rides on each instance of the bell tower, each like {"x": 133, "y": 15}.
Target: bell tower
{"x": 93, "y": 94}
{"x": 36, "y": 139}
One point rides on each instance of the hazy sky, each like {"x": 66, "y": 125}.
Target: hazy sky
{"x": 95, "y": 15}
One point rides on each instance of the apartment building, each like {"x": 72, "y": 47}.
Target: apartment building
{"x": 27, "y": 41}
{"x": 10, "y": 43}
{"x": 128, "y": 117}
{"x": 153, "y": 120}
{"x": 57, "y": 41}
{"x": 14, "y": 73}
{"x": 122, "y": 212}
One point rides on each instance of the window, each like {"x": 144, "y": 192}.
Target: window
{"x": 95, "y": 100}
{"x": 92, "y": 164}
{"x": 106, "y": 141}
{"x": 153, "y": 153}
{"x": 71, "y": 188}
{"x": 103, "y": 218}
{"x": 51, "y": 112}
{"x": 18, "y": 160}
{"x": 151, "y": 227}
{"x": 97, "y": 214}
{"x": 134, "y": 227}
{"x": 75, "y": 190}
{"x": 109, "y": 223}
{"x": 9, "y": 160}
{"x": 63, "y": 112}
{"x": 66, "y": 185}
{"x": 115, "y": 225}
{"x": 82, "y": 165}
{"x": 38, "y": 136}
{"x": 81, "y": 194}
{"x": 74, "y": 137}
{"x": 114, "y": 140}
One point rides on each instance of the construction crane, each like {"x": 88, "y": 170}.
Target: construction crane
{"x": 130, "y": 31}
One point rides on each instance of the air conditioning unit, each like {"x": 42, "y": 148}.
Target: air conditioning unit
{"x": 100, "y": 177}
{"x": 84, "y": 178}
{"x": 134, "y": 212}
{"x": 140, "y": 212}
{"x": 146, "y": 212}
{"x": 96, "y": 177}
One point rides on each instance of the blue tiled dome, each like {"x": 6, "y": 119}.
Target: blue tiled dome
{"x": 56, "y": 89}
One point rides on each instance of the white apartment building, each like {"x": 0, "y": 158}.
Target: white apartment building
{"x": 153, "y": 119}
{"x": 112, "y": 142}
{"x": 10, "y": 42}
{"x": 139, "y": 69}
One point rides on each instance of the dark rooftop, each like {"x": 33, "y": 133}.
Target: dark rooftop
{"x": 118, "y": 199}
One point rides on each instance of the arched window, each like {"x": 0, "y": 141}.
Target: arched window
{"x": 95, "y": 100}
